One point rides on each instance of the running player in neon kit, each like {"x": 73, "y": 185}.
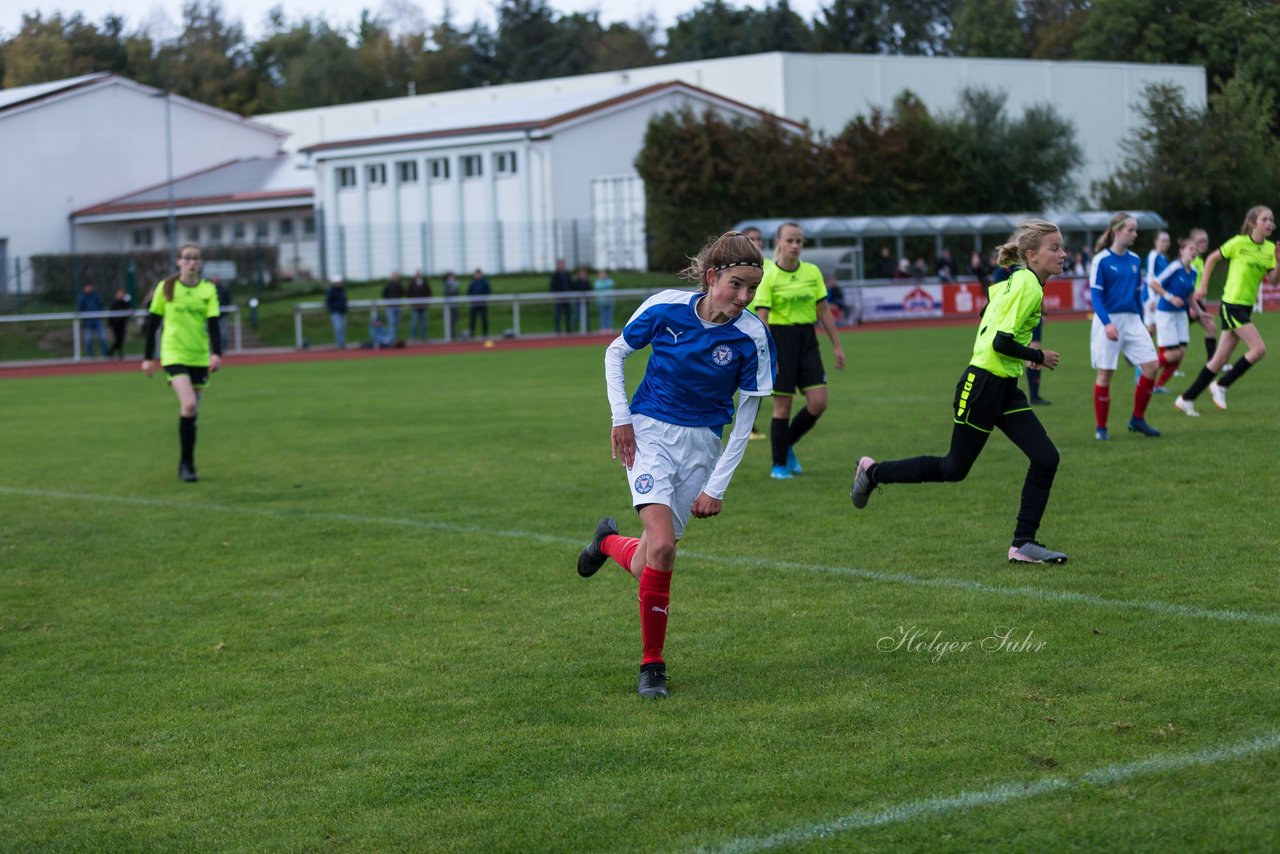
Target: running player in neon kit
{"x": 1175, "y": 286}
{"x": 190, "y": 347}
{"x": 792, "y": 297}
{"x": 1115, "y": 281}
{"x": 705, "y": 346}
{"x": 1253, "y": 260}
{"x": 988, "y": 397}
{"x": 1201, "y": 238}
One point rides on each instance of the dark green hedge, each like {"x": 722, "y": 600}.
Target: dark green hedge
{"x": 60, "y": 277}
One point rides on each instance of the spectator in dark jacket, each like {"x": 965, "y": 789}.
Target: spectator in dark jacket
{"x": 419, "y": 288}
{"x": 561, "y": 284}
{"x": 335, "y": 300}
{"x": 119, "y": 325}
{"x": 91, "y": 328}
{"x": 479, "y": 287}
{"x": 393, "y": 290}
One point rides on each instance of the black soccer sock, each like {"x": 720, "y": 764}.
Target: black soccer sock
{"x": 1033, "y": 383}
{"x": 1200, "y": 384}
{"x": 187, "y": 436}
{"x": 1242, "y": 364}
{"x": 780, "y": 440}
{"x": 1210, "y": 347}
{"x": 802, "y": 424}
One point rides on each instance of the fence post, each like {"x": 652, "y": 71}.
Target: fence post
{"x": 297, "y": 327}
{"x": 239, "y": 334}
{"x": 515, "y": 316}
{"x": 75, "y": 338}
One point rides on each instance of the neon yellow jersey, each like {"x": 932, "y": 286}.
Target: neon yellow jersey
{"x": 1249, "y": 263}
{"x": 792, "y": 296}
{"x": 768, "y": 262}
{"x": 1014, "y": 308}
{"x": 185, "y": 339}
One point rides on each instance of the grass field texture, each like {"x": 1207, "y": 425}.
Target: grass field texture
{"x": 362, "y": 630}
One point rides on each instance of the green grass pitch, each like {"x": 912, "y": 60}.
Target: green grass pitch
{"x": 363, "y": 631}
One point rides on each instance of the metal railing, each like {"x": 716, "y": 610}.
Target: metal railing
{"x": 77, "y": 318}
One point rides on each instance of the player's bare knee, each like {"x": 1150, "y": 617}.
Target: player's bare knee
{"x": 661, "y": 554}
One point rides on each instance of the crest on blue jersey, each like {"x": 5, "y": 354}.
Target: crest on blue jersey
{"x": 722, "y": 355}
{"x": 644, "y": 483}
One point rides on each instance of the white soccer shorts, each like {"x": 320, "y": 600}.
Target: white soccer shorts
{"x": 1149, "y": 310}
{"x": 672, "y": 465}
{"x": 1172, "y": 328}
{"x": 1134, "y": 341}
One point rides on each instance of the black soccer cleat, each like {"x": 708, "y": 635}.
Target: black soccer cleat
{"x": 592, "y": 558}
{"x": 653, "y": 682}
{"x": 187, "y": 473}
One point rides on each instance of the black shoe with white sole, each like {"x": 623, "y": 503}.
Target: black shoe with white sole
{"x": 592, "y": 558}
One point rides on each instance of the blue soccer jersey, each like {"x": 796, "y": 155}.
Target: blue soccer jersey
{"x": 1115, "y": 284}
{"x": 1177, "y": 281}
{"x": 695, "y": 366}
{"x": 1156, "y": 264}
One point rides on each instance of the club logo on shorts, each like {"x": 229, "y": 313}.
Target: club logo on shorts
{"x": 722, "y": 355}
{"x": 644, "y": 483}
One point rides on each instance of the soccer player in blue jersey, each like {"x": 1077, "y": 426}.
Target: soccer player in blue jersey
{"x": 1175, "y": 286}
{"x": 705, "y": 346}
{"x": 988, "y": 397}
{"x": 1252, "y": 257}
{"x": 1157, "y": 260}
{"x": 1115, "y": 282}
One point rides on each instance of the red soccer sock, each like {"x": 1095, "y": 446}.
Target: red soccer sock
{"x": 1160, "y": 357}
{"x": 1142, "y": 395}
{"x": 1167, "y": 373}
{"x": 655, "y": 596}
{"x": 1101, "y": 403}
{"x": 620, "y": 548}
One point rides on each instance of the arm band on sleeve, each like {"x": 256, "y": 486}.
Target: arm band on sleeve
{"x": 1006, "y": 346}
{"x": 153, "y": 324}
{"x": 215, "y": 336}
{"x": 748, "y": 406}
{"x": 615, "y": 380}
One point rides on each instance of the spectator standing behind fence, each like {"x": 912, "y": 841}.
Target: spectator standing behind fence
{"x": 393, "y": 290}
{"x": 479, "y": 287}
{"x": 335, "y": 300}
{"x": 978, "y": 269}
{"x": 91, "y": 328}
{"x": 120, "y": 324}
{"x": 560, "y": 284}
{"x": 419, "y": 288}
{"x": 946, "y": 267}
{"x": 884, "y": 264}
{"x": 191, "y": 346}
{"x": 581, "y": 284}
{"x": 224, "y": 302}
{"x": 603, "y": 286}
{"x": 451, "y": 290}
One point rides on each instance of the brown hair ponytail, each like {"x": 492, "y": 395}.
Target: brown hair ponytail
{"x": 1110, "y": 235}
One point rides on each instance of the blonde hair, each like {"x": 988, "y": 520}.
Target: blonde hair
{"x": 777, "y": 236}
{"x": 1251, "y": 218}
{"x": 730, "y": 249}
{"x": 1109, "y": 236}
{"x": 1028, "y": 237}
{"x": 173, "y": 280}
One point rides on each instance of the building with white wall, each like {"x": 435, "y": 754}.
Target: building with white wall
{"x": 505, "y": 185}
{"x": 73, "y": 143}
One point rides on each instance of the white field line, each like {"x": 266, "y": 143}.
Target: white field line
{"x": 997, "y": 795}
{"x": 980, "y": 587}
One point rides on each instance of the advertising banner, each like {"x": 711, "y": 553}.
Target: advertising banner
{"x": 901, "y": 302}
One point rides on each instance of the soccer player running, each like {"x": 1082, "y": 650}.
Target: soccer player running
{"x": 190, "y": 346}
{"x": 1115, "y": 281}
{"x": 1201, "y": 238}
{"x": 1175, "y": 286}
{"x": 756, "y": 236}
{"x": 791, "y": 299}
{"x": 705, "y": 345}
{"x": 1253, "y": 260}
{"x": 988, "y": 397}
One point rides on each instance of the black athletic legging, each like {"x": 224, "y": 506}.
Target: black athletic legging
{"x": 1024, "y": 430}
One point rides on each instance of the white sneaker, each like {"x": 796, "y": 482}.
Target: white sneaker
{"x": 1186, "y": 407}
{"x": 1219, "y": 395}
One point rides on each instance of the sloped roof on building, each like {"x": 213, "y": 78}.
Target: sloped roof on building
{"x": 537, "y": 112}
{"x": 20, "y": 95}
{"x": 256, "y": 181}
{"x": 977, "y": 223}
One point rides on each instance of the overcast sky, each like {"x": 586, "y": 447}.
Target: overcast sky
{"x": 162, "y": 16}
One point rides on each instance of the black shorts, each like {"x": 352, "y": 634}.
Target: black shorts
{"x": 199, "y": 374}
{"x": 799, "y": 360}
{"x": 982, "y": 398}
{"x": 1234, "y": 315}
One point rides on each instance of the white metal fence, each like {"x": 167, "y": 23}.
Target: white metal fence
{"x": 80, "y": 330}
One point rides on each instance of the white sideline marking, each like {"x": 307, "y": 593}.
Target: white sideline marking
{"x": 999, "y": 794}
{"x": 1067, "y": 596}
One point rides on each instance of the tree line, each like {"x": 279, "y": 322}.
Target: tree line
{"x": 311, "y": 61}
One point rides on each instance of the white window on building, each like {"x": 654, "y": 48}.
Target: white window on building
{"x": 237, "y": 231}
{"x": 407, "y": 171}
{"x": 472, "y": 166}
{"x": 261, "y": 230}
{"x": 143, "y": 237}
{"x": 439, "y": 168}
{"x": 346, "y": 176}
{"x": 193, "y": 234}
{"x": 215, "y": 232}
{"x": 376, "y": 174}
{"x": 286, "y": 228}
{"x": 504, "y": 163}
{"x": 309, "y": 225}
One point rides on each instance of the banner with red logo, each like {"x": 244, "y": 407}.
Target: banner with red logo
{"x": 901, "y": 302}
